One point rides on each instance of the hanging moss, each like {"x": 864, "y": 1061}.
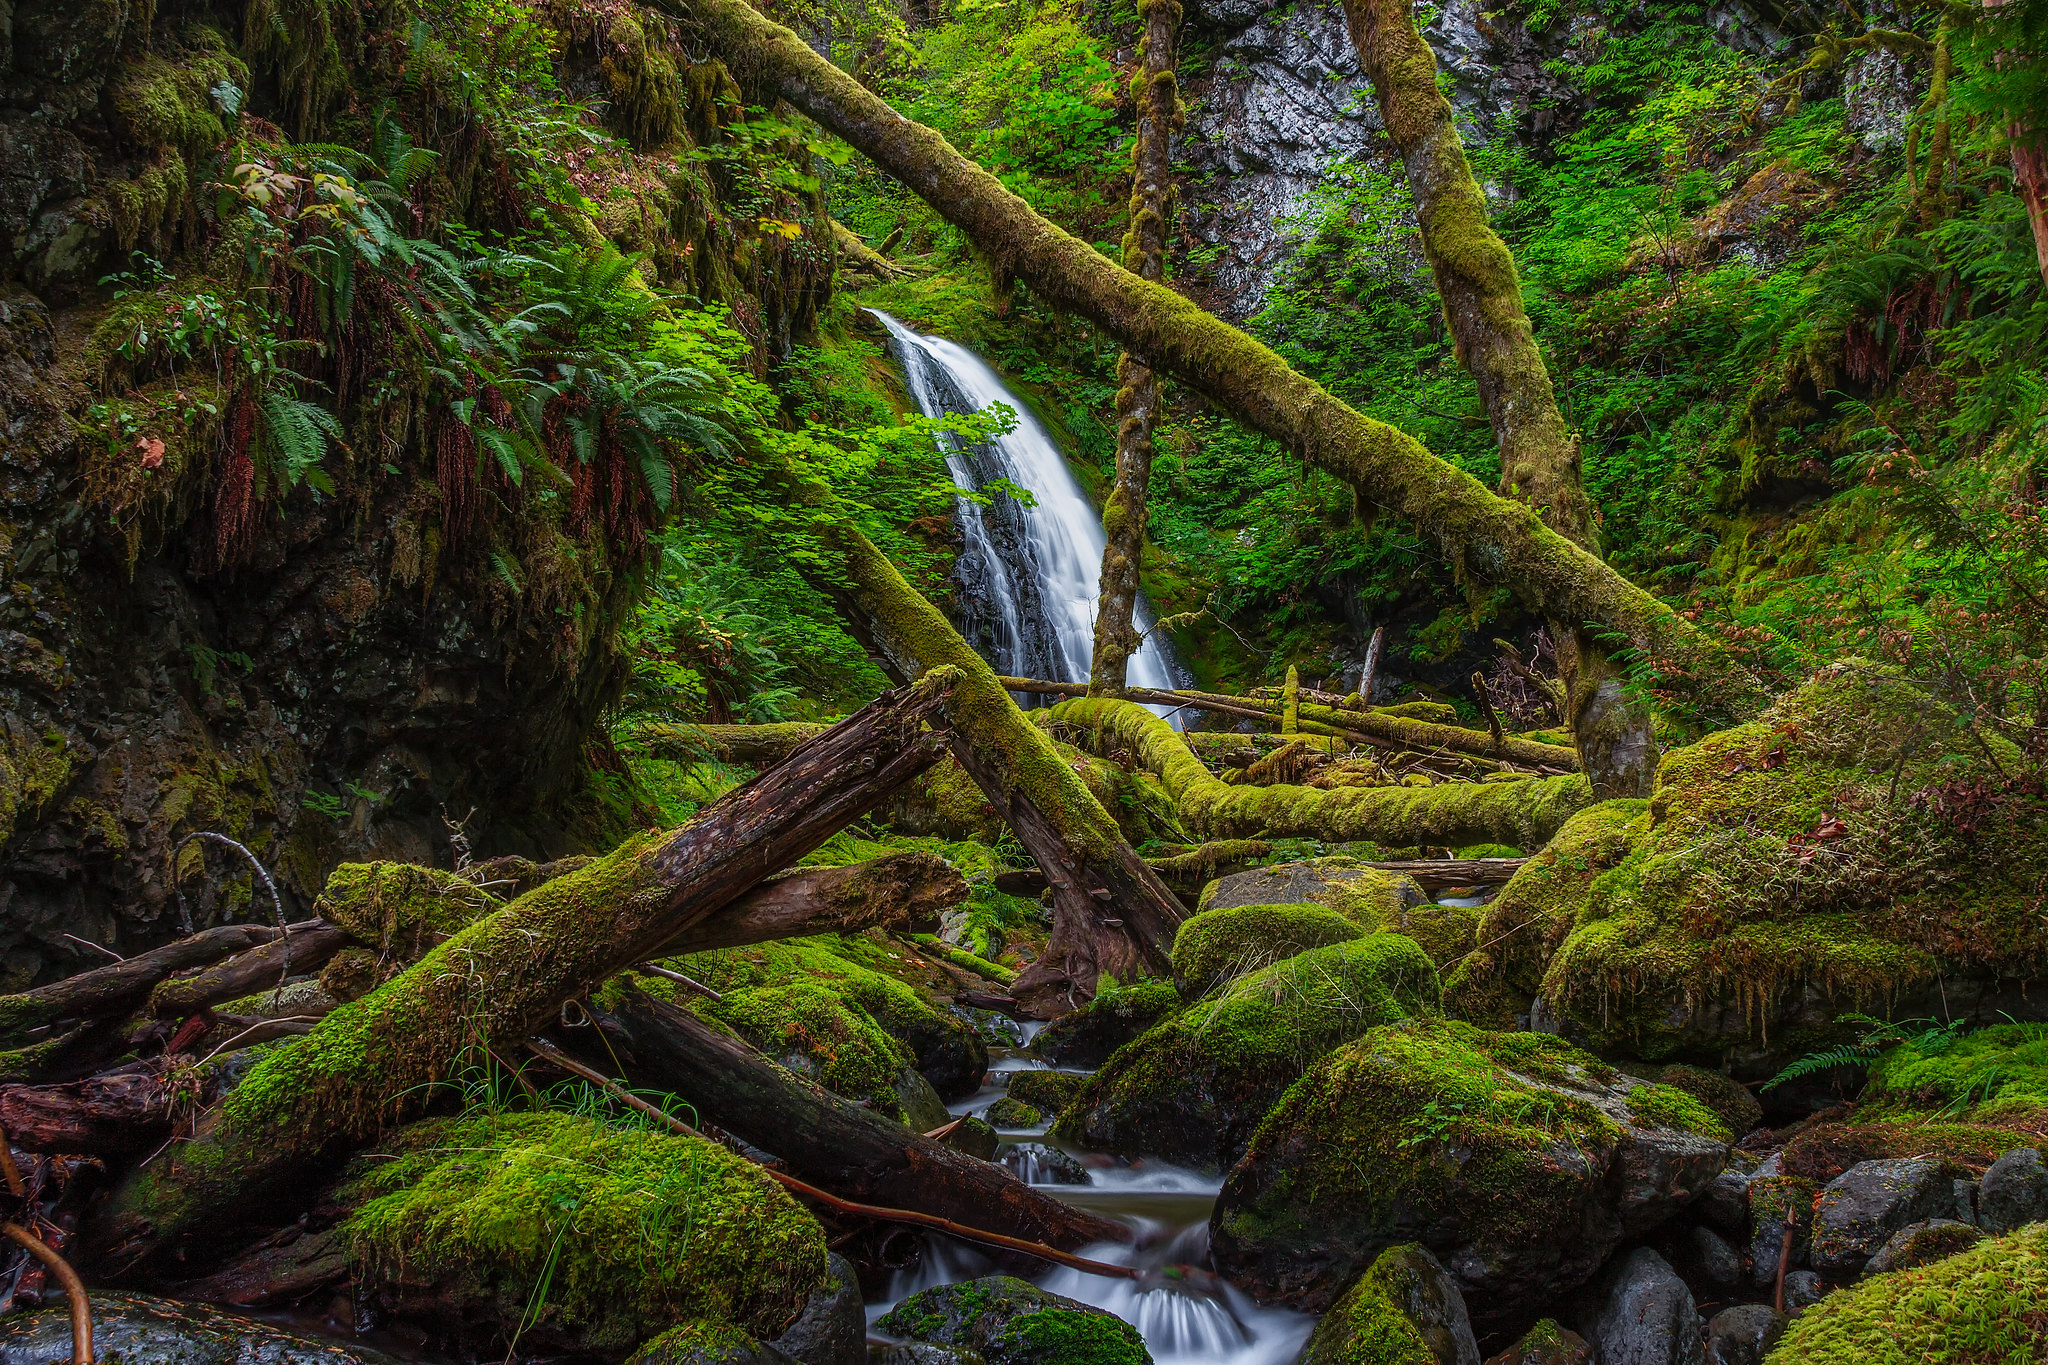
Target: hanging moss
{"x": 593, "y": 1237}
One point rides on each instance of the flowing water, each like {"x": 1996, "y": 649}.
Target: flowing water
{"x": 1182, "y": 1322}
{"x": 1030, "y": 577}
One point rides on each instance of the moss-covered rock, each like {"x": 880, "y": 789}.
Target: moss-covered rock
{"x": 1843, "y": 851}
{"x": 1009, "y": 1322}
{"x": 707, "y": 1343}
{"x": 1518, "y": 1160}
{"x": 597, "y": 1238}
{"x": 1919, "y": 1244}
{"x": 1547, "y": 1343}
{"x": 1343, "y": 884}
{"x": 1192, "y": 1089}
{"x": 1218, "y": 946}
{"x": 1996, "y": 1073}
{"x": 1011, "y": 1113}
{"x": 1404, "y": 1310}
{"x": 1446, "y": 932}
{"x": 816, "y": 1032}
{"x": 133, "y": 1330}
{"x": 1988, "y": 1304}
{"x": 1728, "y": 1098}
{"x": 1051, "y": 1091}
{"x": 1088, "y": 1035}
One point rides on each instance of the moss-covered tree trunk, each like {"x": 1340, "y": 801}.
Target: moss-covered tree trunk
{"x": 1491, "y": 539}
{"x": 1111, "y": 912}
{"x": 1482, "y": 298}
{"x": 382, "y": 1058}
{"x": 1124, "y": 513}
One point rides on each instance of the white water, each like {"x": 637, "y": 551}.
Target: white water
{"x": 1050, "y": 583}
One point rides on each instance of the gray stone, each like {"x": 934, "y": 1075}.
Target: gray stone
{"x": 1863, "y": 1206}
{"x": 1642, "y": 1314}
{"x": 922, "y": 1107}
{"x": 1803, "y": 1289}
{"x": 2014, "y": 1192}
{"x": 1772, "y": 1198}
{"x": 1744, "y": 1334}
{"x": 924, "y": 1353}
{"x": 1708, "y": 1254}
{"x": 1724, "y": 1204}
{"x": 1035, "y": 1163}
{"x": 145, "y": 1331}
{"x": 1546, "y": 1344}
{"x": 1966, "y": 1202}
{"x": 1917, "y": 1244}
{"x": 833, "y": 1328}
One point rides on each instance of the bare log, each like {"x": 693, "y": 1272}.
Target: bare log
{"x": 118, "y": 987}
{"x": 829, "y": 1141}
{"x": 1434, "y": 874}
{"x": 306, "y": 948}
{"x": 376, "y": 1060}
{"x": 1490, "y": 539}
{"x": 904, "y": 891}
{"x": 1111, "y": 913}
{"x": 118, "y": 1113}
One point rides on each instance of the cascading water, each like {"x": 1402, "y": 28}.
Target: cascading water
{"x": 1031, "y": 578}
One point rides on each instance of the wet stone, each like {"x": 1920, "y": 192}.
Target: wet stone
{"x": 146, "y": 1331}
{"x": 1743, "y": 1335}
{"x": 833, "y": 1327}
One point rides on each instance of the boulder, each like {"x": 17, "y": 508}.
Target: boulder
{"x": 1723, "y": 1094}
{"x": 1743, "y": 1335}
{"x": 1546, "y": 1344}
{"x": 1724, "y": 1204}
{"x": 1706, "y": 1255}
{"x": 1087, "y": 1037}
{"x": 976, "y": 1137}
{"x": 1863, "y": 1206}
{"x": 1642, "y": 1314}
{"x": 814, "y": 1030}
{"x": 1405, "y": 1308}
{"x": 1009, "y": 1322}
{"x": 1010, "y": 1113}
{"x": 2014, "y": 1192}
{"x": 1916, "y": 1244}
{"x": 1051, "y": 1091}
{"x": 695, "y": 1343}
{"x": 1803, "y": 1289}
{"x": 923, "y": 1353}
{"x": 1346, "y": 885}
{"x": 1216, "y": 947}
{"x": 1034, "y": 1163}
{"x": 1519, "y": 1161}
{"x": 833, "y": 1327}
{"x": 1989, "y": 1303}
{"x": 922, "y": 1108}
{"x": 1192, "y": 1089}
{"x": 1446, "y": 932}
{"x": 144, "y": 1331}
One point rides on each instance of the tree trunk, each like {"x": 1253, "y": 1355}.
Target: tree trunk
{"x": 1492, "y": 540}
{"x": 119, "y": 987}
{"x": 828, "y": 1141}
{"x": 120, "y": 1113}
{"x": 377, "y": 1060}
{"x": 1482, "y": 298}
{"x": 904, "y": 892}
{"x": 1124, "y": 513}
{"x": 306, "y": 948}
{"x": 1111, "y": 913}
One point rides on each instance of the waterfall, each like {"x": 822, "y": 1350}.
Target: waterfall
{"x": 1030, "y": 578}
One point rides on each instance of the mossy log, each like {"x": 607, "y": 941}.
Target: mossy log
{"x": 306, "y": 948}
{"x": 1490, "y": 539}
{"x": 1482, "y": 300}
{"x": 829, "y": 1141}
{"x": 378, "y": 1059}
{"x": 119, "y": 987}
{"x": 1111, "y": 913}
{"x": 855, "y": 254}
{"x": 1521, "y": 813}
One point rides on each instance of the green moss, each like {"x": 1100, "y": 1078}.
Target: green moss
{"x": 1985, "y": 1306}
{"x": 1070, "y": 1338}
{"x": 699, "y": 1343}
{"x": 164, "y": 99}
{"x": 1994, "y": 1071}
{"x": 810, "y": 1026}
{"x": 1219, "y": 946}
{"x": 1048, "y": 1090}
{"x": 605, "y": 1236}
{"x": 401, "y": 909}
{"x": 1446, "y": 932}
{"x": 1728, "y": 1098}
{"x": 1010, "y": 1112}
{"x": 1005, "y": 1321}
{"x": 1662, "y": 1106}
{"x": 1370, "y": 1324}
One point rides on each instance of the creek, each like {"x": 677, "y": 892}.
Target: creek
{"x": 1030, "y": 578}
{"x": 1183, "y": 1323}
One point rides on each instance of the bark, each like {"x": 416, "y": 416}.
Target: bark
{"x": 829, "y": 1141}
{"x": 378, "y": 1060}
{"x": 120, "y": 1113}
{"x": 1482, "y": 298}
{"x": 1111, "y": 913}
{"x": 1124, "y": 513}
{"x": 119, "y": 987}
{"x": 1522, "y": 813}
{"x": 1491, "y": 539}
{"x": 1435, "y": 874}
{"x": 905, "y": 892}
{"x": 306, "y": 949}
{"x": 855, "y": 254}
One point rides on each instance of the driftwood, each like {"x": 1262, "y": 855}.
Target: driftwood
{"x": 376, "y": 1060}
{"x": 118, "y": 987}
{"x": 829, "y": 1141}
{"x": 306, "y": 948}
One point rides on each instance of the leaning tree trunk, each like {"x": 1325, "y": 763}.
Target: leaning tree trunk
{"x": 1482, "y": 298}
{"x": 1111, "y": 913}
{"x": 379, "y": 1059}
{"x": 1124, "y": 513}
{"x": 1492, "y": 540}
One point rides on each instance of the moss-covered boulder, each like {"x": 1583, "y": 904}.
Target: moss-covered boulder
{"x": 1404, "y": 1310}
{"x": 1192, "y": 1089}
{"x": 1218, "y": 946}
{"x": 1051, "y": 1091}
{"x": 1993, "y": 1075}
{"x": 1987, "y": 1304}
{"x": 1342, "y": 884}
{"x": 1009, "y": 1322}
{"x": 595, "y": 1238}
{"x": 1727, "y": 1097}
{"x": 816, "y": 1032}
{"x": 944, "y": 1047}
{"x": 129, "y": 1329}
{"x": 1518, "y": 1160}
{"x": 708, "y": 1343}
{"x": 1010, "y": 1113}
{"x": 1861, "y": 845}
{"x": 1087, "y": 1036}
{"x": 1448, "y": 933}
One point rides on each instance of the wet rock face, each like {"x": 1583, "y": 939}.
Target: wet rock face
{"x": 144, "y": 1331}
{"x": 1743, "y": 1335}
{"x": 1861, "y": 1208}
{"x": 833, "y": 1329}
{"x": 1918, "y": 1244}
{"x": 1643, "y": 1314}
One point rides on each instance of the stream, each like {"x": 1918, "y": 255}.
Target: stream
{"x": 1169, "y": 1209}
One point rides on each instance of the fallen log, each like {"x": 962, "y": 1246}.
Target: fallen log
{"x": 1111, "y": 913}
{"x": 906, "y": 892}
{"x": 829, "y": 1141}
{"x": 306, "y": 948}
{"x": 1433, "y": 874}
{"x": 377, "y": 1060}
{"x": 118, "y": 987}
{"x": 117, "y": 1113}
